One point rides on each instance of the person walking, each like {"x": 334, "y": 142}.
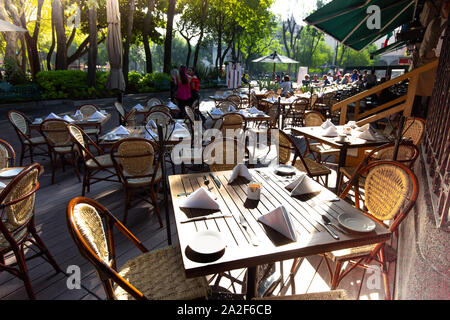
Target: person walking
{"x": 183, "y": 95}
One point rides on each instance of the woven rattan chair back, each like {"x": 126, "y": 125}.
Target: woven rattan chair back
{"x": 224, "y": 106}
{"x": 300, "y": 105}
{"x": 224, "y": 154}
{"x": 159, "y": 117}
{"x": 56, "y": 133}
{"x": 313, "y": 100}
{"x": 414, "y": 129}
{"x": 235, "y": 99}
{"x": 328, "y": 98}
{"x": 7, "y": 155}
{"x": 81, "y": 140}
{"x": 20, "y": 122}
{"x": 160, "y": 107}
{"x": 88, "y": 110}
{"x": 232, "y": 121}
{"x": 313, "y": 119}
{"x": 153, "y": 102}
{"x": 18, "y": 197}
{"x": 285, "y": 148}
{"x": 253, "y": 100}
{"x": 120, "y": 109}
{"x": 407, "y": 153}
{"x": 271, "y": 94}
{"x": 134, "y": 158}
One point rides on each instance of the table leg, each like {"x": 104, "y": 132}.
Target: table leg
{"x": 252, "y": 273}
{"x": 341, "y": 163}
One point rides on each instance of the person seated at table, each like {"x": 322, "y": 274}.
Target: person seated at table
{"x": 315, "y": 79}
{"x": 355, "y": 76}
{"x": 338, "y": 79}
{"x": 371, "y": 80}
{"x": 286, "y": 86}
{"x": 359, "y": 83}
{"x": 278, "y": 79}
{"x": 346, "y": 79}
{"x": 307, "y": 80}
{"x": 326, "y": 82}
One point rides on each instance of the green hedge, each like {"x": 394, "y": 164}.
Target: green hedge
{"x": 63, "y": 84}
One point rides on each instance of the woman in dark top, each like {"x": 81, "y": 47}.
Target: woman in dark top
{"x": 195, "y": 96}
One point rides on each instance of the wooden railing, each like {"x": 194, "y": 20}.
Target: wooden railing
{"x": 402, "y": 104}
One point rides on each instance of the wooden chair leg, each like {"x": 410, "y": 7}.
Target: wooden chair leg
{"x": 44, "y": 250}
{"x": 20, "y": 257}
{"x": 384, "y": 270}
{"x": 156, "y": 208}
{"x": 336, "y": 275}
{"x": 22, "y": 153}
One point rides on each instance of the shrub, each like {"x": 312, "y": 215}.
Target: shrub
{"x": 13, "y": 74}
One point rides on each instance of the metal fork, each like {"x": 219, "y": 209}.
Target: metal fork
{"x": 253, "y": 239}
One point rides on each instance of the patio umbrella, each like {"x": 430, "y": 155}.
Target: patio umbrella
{"x": 347, "y": 21}
{"x": 275, "y": 58}
{"x": 114, "y": 46}
{"x": 6, "y": 26}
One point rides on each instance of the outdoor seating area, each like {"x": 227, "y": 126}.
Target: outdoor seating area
{"x": 208, "y": 182}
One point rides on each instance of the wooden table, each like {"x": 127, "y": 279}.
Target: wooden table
{"x": 240, "y": 253}
{"x": 248, "y": 118}
{"x": 315, "y": 133}
{"x": 139, "y": 132}
{"x": 81, "y": 123}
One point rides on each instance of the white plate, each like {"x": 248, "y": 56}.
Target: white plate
{"x": 2, "y": 186}
{"x": 207, "y": 242}
{"x": 356, "y": 222}
{"x": 285, "y": 169}
{"x": 10, "y": 173}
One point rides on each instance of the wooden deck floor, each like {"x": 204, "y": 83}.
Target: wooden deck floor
{"x": 50, "y": 211}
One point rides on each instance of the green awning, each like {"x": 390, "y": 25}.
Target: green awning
{"x": 345, "y": 20}
{"x": 392, "y": 47}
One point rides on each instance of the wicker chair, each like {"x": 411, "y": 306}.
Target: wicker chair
{"x": 134, "y": 161}
{"x": 93, "y": 166}
{"x": 87, "y": 110}
{"x": 391, "y": 192}
{"x": 314, "y": 119}
{"x": 17, "y": 225}
{"x": 236, "y": 100}
{"x": 225, "y": 105}
{"x": 217, "y": 154}
{"x": 7, "y": 155}
{"x": 231, "y": 121}
{"x": 21, "y": 125}
{"x": 125, "y": 118}
{"x": 160, "y": 107}
{"x": 407, "y": 154}
{"x": 153, "y": 102}
{"x": 312, "y": 101}
{"x": 59, "y": 144}
{"x": 414, "y": 130}
{"x": 309, "y": 166}
{"x": 156, "y": 274}
{"x": 159, "y": 117}
{"x": 296, "y": 111}
{"x": 326, "y": 295}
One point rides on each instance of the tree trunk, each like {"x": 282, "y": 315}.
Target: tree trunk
{"x": 126, "y": 47}
{"x": 188, "y": 58}
{"x": 92, "y": 53}
{"x": 168, "y": 40}
{"x": 61, "y": 49}
{"x": 51, "y": 49}
{"x": 202, "y": 30}
{"x": 145, "y": 36}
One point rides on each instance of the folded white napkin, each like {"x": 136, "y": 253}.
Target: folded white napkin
{"x": 179, "y": 129}
{"x": 97, "y": 116}
{"x": 364, "y": 127}
{"x": 151, "y": 135}
{"x": 253, "y": 110}
{"x": 78, "y": 115}
{"x": 352, "y": 124}
{"x": 121, "y": 130}
{"x": 367, "y": 135}
{"x": 243, "y": 112}
{"x": 303, "y": 185}
{"x": 231, "y": 109}
{"x": 139, "y": 107}
{"x": 200, "y": 199}
{"x": 327, "y": 124}
{"x": 172, "y": 105}
{"x": 151, "y": 124}
{"x": 52, "y": 116}
{"x": 279, "y": 220}
{"x": 240, "y": 171}
{"x": 68, "y": 119}
{"x": 216, "y": 111}
{"x": 330, "y": 132}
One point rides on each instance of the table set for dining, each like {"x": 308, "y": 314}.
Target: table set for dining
{"x": 222, "y": 226}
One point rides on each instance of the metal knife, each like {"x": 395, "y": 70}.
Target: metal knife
{"x": 216, "y": 181}
{"x": 214, "y": 216}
